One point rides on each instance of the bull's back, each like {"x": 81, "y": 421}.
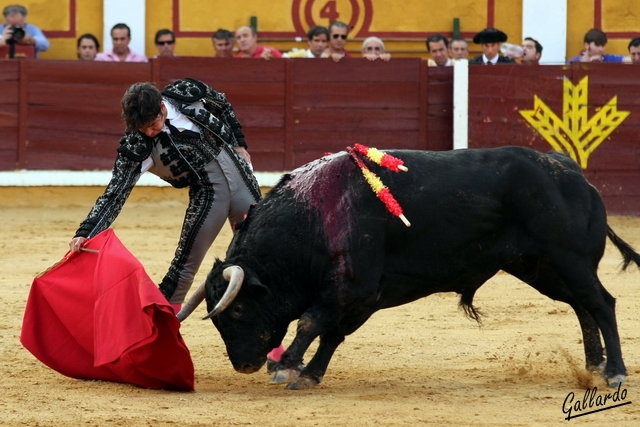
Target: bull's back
{"x": 474, "y": 211}
{"x": 469, "y": 210}
{"x": 489, "y": 188}
{"x": 471, "y": 191}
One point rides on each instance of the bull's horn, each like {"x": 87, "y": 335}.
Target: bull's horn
{"x": 193, "y": 302}
{"x": 235, "y": 275}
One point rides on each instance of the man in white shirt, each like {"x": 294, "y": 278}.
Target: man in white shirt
{"x": 458, "y": 49}
{"x": 317, "y": 37}
{"x": 438, "y": 47}
{"x": 373, "y": 48}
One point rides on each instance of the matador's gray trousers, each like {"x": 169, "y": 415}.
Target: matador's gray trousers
{"x": 231, "y": 200}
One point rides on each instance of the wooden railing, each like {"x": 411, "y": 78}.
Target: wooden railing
{"x": 66, "y": 114}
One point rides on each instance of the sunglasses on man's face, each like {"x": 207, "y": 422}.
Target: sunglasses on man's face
{"x": 337, "y": 36}
{"x": 166, "y": 43}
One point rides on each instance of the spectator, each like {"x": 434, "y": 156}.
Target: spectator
{"x": 459, "y": 49}
{"x": 634, "y": 50}
{"x": 594, "y": 42}
{"x": 121, "y": 37}
{"x": 223, "y": 41}
{"x": 247, "y": 39}
{"x": 438, "y": 47}
{"x": 318, "y": 37}
{"x": 16, "y": 16}
{"x": 338, "y": 33}
{"x": 373, "y": 48}
{"x": 490, "y": 38}
{"x": 165, "y": 41}
{"x": 531, "y": 51}
{"x": 88, "y": 47}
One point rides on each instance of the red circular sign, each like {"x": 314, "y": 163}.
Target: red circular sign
{"x": 329, "y": 12}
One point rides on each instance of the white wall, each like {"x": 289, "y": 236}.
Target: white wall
{"x": 130, "y": 12}
{"x": 48, "y": 178}
{"x": 546, "y": 21}
{"x": 460, "y": 104}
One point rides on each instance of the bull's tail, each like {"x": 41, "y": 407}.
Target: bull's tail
{"x": 628, "y": 253}
{"x": 466, "y": 304}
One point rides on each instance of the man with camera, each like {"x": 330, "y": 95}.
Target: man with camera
{"x": 15, "y": 30}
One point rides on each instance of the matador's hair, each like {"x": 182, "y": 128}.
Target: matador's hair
{"x": 141, "y": 105}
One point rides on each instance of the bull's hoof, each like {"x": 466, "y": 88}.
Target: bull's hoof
{"x": 303, "y": 383}
{"x": 284, "y": 376}
{"x": 616, "y": 381}
{"x": 272, "y": 365}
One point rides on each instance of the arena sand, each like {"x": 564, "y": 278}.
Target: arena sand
{"x": 420, "y": 364}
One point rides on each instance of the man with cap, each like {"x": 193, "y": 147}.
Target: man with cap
{"x": 490, "y": 38}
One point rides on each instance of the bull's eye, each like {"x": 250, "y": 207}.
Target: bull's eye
{"x": 237, "y": 310}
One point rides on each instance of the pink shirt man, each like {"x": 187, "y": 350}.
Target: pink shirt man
{"x": 110, "y": 56}
{"x": 120, "y": 36}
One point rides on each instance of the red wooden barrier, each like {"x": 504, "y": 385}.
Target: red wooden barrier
{"x": 9, "y": 104}
{"x": 73, "y": 110}
{"x": 256, "y": 91}
{"x": 335, "y": 105}
{"x": 66, "y": 114}
{"x": 19, "y": 52}
{"x": 499, "y": 95}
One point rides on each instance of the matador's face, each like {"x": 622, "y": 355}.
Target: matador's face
{"x": 153, "y": 128}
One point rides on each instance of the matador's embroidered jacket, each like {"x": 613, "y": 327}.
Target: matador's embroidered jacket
{"x": 178, "y": 160}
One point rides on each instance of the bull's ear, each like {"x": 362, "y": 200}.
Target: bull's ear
{"x": 256, "y": 287}
{"x": 253, "y": 284}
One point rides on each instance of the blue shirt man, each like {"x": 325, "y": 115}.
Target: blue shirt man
{"x": 16, "y": 16}
{"x": 594, "y": 43}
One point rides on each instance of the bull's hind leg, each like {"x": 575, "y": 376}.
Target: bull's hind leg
{"x": 579, "y": 275}
{"x": 593, "y": 350}
{"x": 546, "y": 281}
{"x": 601, "y": 305}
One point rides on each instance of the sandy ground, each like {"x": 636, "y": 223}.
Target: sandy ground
{"x": 420, "y": 364}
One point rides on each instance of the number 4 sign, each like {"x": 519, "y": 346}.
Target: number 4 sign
{"x": 330, "y": 11}
{"x": 357, "y": 14}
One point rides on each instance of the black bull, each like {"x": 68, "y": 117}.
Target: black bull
{"x": 321, "y": 248}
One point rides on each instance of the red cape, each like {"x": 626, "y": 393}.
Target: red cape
{"x": 99, "y": 316}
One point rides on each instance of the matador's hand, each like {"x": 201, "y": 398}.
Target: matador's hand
{"x": 76, "y": 243}
{"x": 245, "y": 155}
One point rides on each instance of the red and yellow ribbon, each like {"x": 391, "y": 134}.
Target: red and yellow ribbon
{"x": 383, "y": 159}
{"x": 382, "y": 192}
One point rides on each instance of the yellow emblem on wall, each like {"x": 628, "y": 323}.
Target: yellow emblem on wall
{"x": 575, "y": 133}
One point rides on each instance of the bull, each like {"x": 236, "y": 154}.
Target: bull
{"x": 321, "y": 248}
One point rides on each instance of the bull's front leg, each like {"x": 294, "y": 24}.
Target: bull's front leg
{"x": 290, "y": 366}
{"x": 313, "y": 373}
